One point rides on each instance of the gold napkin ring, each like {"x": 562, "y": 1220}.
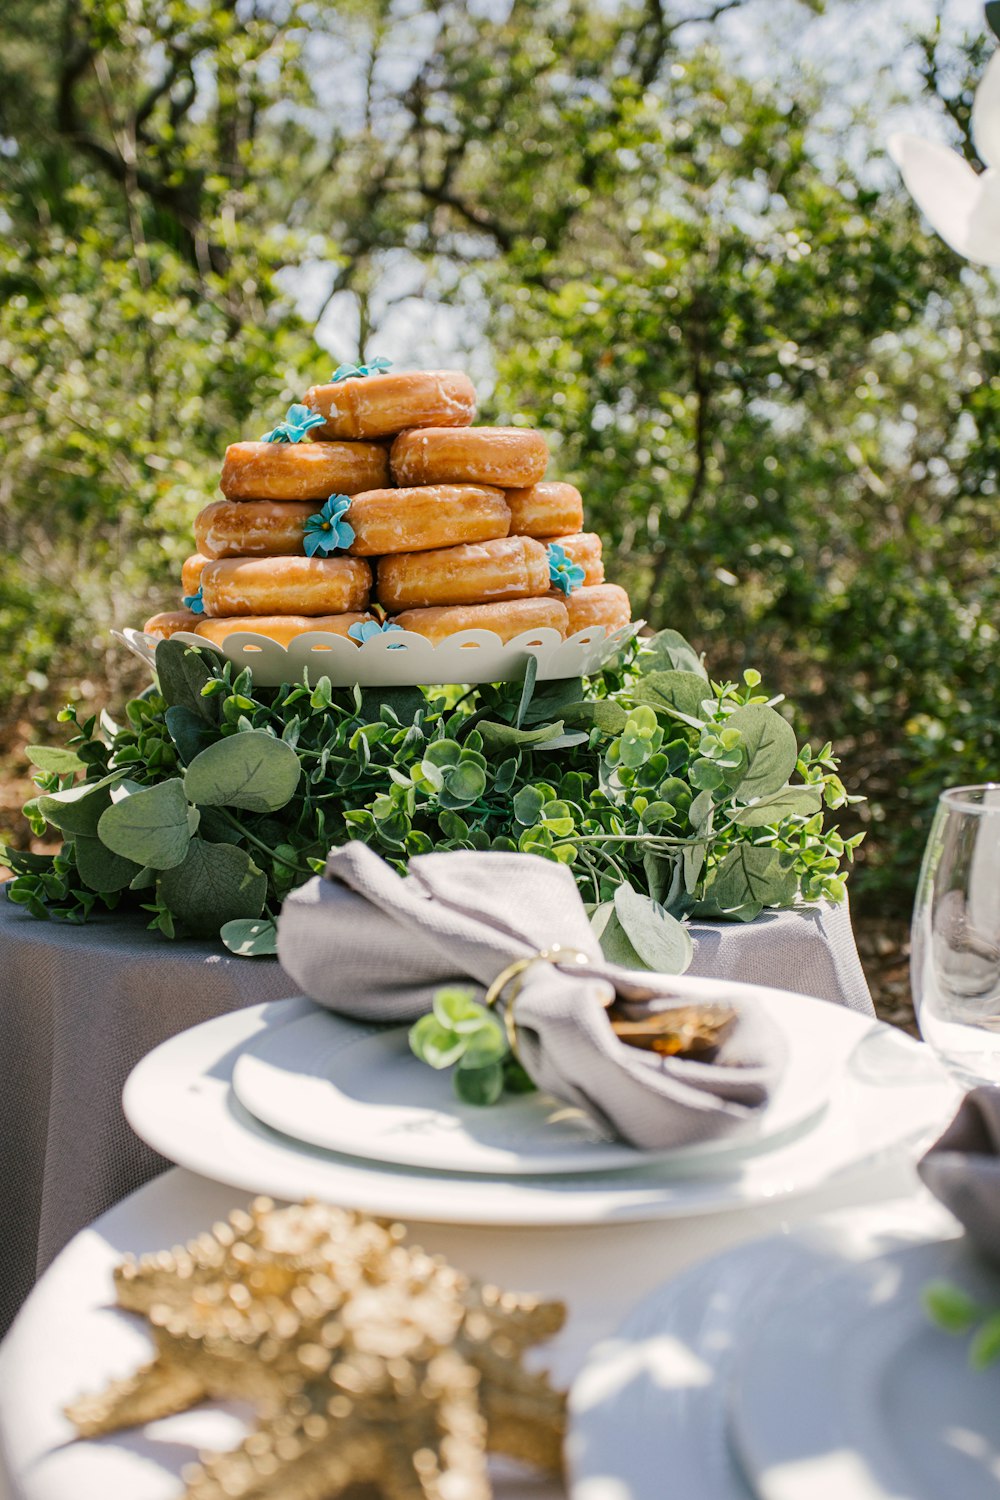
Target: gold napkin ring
{"x": 557, "y": 954}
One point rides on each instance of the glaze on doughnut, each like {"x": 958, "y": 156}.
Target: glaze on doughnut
{"x": 191, "y": 572}
{"x": 280, "y": 628}
{"x": 506, "y": 620}
{"x": 513, "y": 567}
{"x": 583, "y": 548}
{"x": 285, "y": 586}
{"x": 508, "y": 456}
{"x": 171, "y": 621}
{"x": 545, "y": 510}
{"x": 302, "y": 471}
{"x": 427, "y": 516}
{"x": 373, "y": 406}
{"x": 252, "y": 528}
{"x": 600, "y": 604}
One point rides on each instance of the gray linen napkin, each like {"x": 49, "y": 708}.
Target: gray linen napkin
{"x": 962, "y": 1168}
{"x": 374, "y": 945}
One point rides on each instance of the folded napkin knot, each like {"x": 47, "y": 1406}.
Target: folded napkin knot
{"x": 557, "y": 954}
{"x": 375, "y": 945}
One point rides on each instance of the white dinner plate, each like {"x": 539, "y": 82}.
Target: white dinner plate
{"x": 850, "y": 1390}
{"x": 359, "y": 1090}
{"x": 890, "y": 1093}
{"x": 649, "y": 1410}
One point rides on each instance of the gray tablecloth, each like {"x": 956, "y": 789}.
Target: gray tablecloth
{"x": 79, "y": 1006}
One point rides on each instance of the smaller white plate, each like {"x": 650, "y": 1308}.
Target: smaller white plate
{"x": 357, "y": 1089}
{"x": 851, "y": 1390}
{"x": 889, "y": 1092}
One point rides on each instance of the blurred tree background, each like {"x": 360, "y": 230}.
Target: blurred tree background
{"x": 779, "y": 395}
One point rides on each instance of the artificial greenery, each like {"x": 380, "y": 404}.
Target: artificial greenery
{"x": 665, "y": 793}
{"x": 953, "y": 1310}
{"x": 462, "y": 1034}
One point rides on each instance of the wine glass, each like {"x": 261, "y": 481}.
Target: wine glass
{"x": 955, "y": 963}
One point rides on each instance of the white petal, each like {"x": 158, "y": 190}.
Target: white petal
{"x": 983, "y": 237}
{"x": 943, "y": 184}
{"x": 986, "y": 114}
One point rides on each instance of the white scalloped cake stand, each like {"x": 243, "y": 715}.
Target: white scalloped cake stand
{"x": 402, "y": 659}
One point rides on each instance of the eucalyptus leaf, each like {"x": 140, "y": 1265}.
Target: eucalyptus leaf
{"x": 461, "y": 785}
{"x": 663, "y": 876}
{"x": 182, "y": 671}
{"x": 614, "y": 940}
{"x": 751, "y": 874}
{"x": 479, "y": 1085}
{"x": 693, "y": 863}
{"x": 527, "y": 689}
{"x": 550, "y": 698}
{"x": 435, "y": 1044}
{"x": 251, "y": 939}
{"x": 769, "y": 741}
{"x": 708, "y": 910}
{"x": 603, "y": 713}
{"x": 662, "y": 942}
{"x": 150, "y": 827}
{"x": 215, "y": 884}
{"x": 501, "y": 739}
{"x": 188, "y": 731}
{"x": 790, "y": 801}
{"x": 55, "y": 759}
{"x": 668, "y": 650}
{"x": 101, "y": 869}
{"x": 252, "y": 770}
{"x": 985, "y": 1347}
{"x": 950, "y": 1307}
{"x": 78, "y": 809}
{"x": 678, "y": 692}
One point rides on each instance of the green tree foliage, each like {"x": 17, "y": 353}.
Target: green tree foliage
{"x": 778, "y": 394}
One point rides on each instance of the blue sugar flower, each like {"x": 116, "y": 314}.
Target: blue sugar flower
{"x": 367, "y": 630}
{"x": 353, "y": 372}
{"x": 327, "y": 531}
{"x": 195, "y": 603}
{"x": 299, "y": 422}
{"x": 563, "y": 572}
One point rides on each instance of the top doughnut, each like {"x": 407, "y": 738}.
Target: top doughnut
{"x": 302, "y": 471}
{"x": 506, "y": 456}
{"x": 374, "y": 406}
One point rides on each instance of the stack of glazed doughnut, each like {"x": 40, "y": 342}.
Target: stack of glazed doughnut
{"x": 383, "y": 505}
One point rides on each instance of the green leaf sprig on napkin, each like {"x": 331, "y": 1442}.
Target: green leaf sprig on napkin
{"x": 462, "y": 1034}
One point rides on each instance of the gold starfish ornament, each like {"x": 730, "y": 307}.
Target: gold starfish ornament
{"x": 369, "y": 1361}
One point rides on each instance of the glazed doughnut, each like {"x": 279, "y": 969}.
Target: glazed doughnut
{"x": 280, "y": 628}
{"x": 505, "y": 620}
{"x": 600, "y": 604}
{"x": 285, "y": 586}
{"x": 544, "y": 510}
{"x": 513, "y": 567}
{"x": 372, "y": 406}
{"x": 583, "y": 548}
{"x": 414, "y": 520}
{"x": 191, "y": 572}
{"x": 254, "y": 528}
{"x": 301, "y": 471}
{"x": 170, "y": 622}
{"x": 509, "y": 456}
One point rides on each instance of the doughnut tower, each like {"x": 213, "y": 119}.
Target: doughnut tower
{"x": 377, "y": 505}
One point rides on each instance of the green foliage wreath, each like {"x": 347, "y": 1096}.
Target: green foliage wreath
{"x": 665, "y": 793}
